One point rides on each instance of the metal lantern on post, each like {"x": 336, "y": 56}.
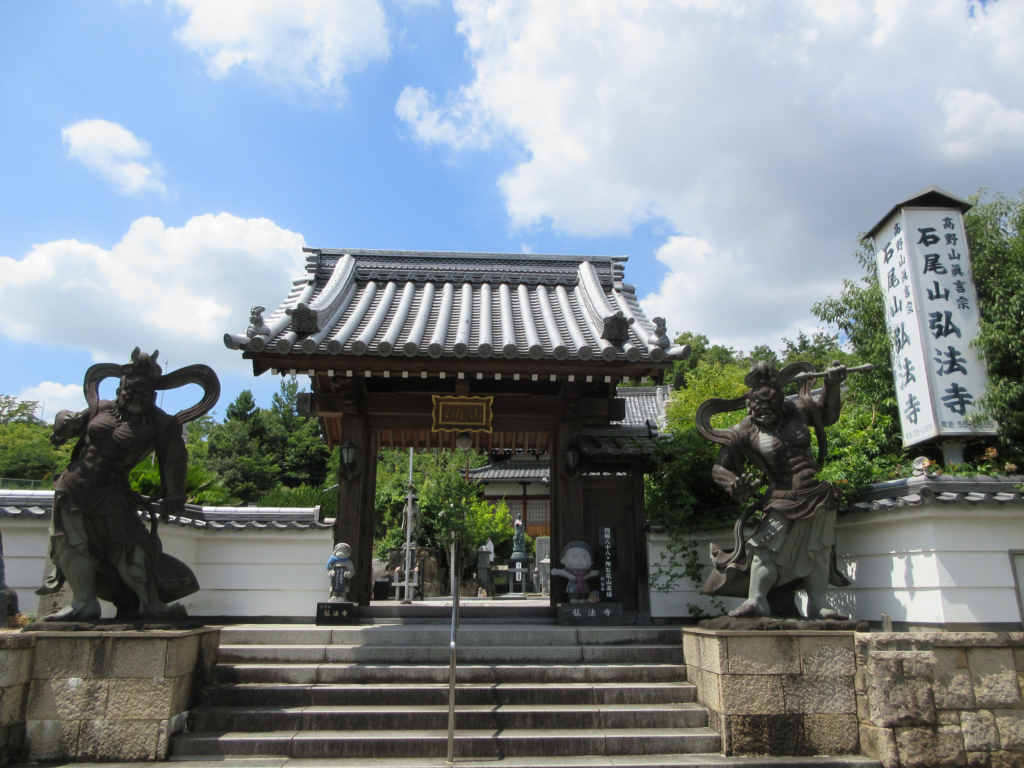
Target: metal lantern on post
{"x": 572, "y": 459}
{"x": 349, "y": 454}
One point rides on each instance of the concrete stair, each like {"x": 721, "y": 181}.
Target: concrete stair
{"x": 529, "y": 692}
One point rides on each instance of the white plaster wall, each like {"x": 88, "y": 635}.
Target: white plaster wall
{"x": 932, "y": 564}
{"x": 242, "y": 573}
{"x": 25, "y": 547}
{"x": 927, "y": 565}
{"x": 515, "y": 490}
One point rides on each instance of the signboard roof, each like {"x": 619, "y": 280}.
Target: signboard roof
{"x": 931, "y": 197}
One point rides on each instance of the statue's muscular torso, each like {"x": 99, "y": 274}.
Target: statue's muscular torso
{"x": 112, "y": 446}
{"x": 786, "y": 451}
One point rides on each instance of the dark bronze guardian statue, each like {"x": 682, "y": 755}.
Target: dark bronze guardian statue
{"x": 793, "y": 547}
{"x": 98, "y": 543}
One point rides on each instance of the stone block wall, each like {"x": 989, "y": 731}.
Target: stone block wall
{"x": 941, "y": 699}
{"x": 16, "y": 655}
{"x": 100, "y": 696}
{"x": 908, "y": 700}
{"x": 776, "y": 693}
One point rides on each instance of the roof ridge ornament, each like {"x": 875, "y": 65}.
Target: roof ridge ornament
{"x": 616, "y": 328}
{"x": 304, "y": 319}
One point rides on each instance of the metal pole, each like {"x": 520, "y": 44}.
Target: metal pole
{"x": 408, "y": 533}
{"x": 455, "y": 632}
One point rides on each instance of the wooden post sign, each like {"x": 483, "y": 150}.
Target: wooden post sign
{"x": 931, "y": 313}
{"x": 462, "y": 414}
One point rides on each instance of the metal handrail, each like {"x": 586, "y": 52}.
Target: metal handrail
{"x": 456, "y": 570}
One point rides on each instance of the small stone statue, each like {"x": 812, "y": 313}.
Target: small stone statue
{"x": 98, "y": 543}
{"x": 794, "y": 545}
{"x": 519, "y": 539}
{"x": 340, "y": 569}
{"x": 578, "y": 561}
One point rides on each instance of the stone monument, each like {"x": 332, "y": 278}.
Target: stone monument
{"x": 520, "y": 564}
{"x": 793, "y": 547}
{"x": 98, "y": 543}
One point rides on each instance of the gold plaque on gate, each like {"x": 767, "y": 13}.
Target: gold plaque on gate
{"x": 462, "y": 414}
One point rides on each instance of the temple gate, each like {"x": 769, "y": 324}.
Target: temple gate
{"x": 523, "y": 352}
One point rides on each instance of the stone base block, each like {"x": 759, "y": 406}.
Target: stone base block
{"x": 113, "y": 696}
{"x": 590, "y": 614}
{"x": 330, "y": 614}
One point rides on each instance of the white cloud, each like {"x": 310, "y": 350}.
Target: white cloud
{"x": 975, "y": 122}
{"x": 114, "y": 152}
{"x": 176, "y": 289}
{"x": 705, "y": 287}
{"x": 53, "y": 398}
{"x": 456, "y": 125}
{"x": 772, "y": 132}
{"x": 310, "y": 44}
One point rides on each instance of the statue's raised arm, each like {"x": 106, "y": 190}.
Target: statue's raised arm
{"x": 98, "y": 543}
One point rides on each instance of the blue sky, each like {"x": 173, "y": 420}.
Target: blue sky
{"x": 162, "y": 163}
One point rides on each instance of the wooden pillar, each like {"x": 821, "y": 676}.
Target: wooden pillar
{"x": 643, "y": 586}
{"x": 354, "y": 521}
{"x": 566, "y": 496}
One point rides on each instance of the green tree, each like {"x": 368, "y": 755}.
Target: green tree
{"x": 257, "y": 449}
{"x": 201, "y": 486}
{"x": 995, "y": 233}
{"x": 15, "y": 411}
{"x": 25, "y": 449}
{"x": 701, "y": 349}
{"x": 238, "y": 452}
{"x": 243, "y": 408}
{"x": 680, "y": 491}
{"x": 27, "y": 454}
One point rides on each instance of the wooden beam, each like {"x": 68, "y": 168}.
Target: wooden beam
{"x": 263, "y": 362}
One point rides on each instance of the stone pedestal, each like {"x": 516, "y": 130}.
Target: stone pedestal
{"x": 16, "y": 654}
{"x": 779, "y": 693}
{"x": 520, "y": 575}
{"x": 590, "y": 614}
{"x": 113, "y": 696}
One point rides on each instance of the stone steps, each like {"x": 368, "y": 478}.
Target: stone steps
{"x": 548, "y": 742}
{"x": 251, "y": 695}
{"x": 473, "y": 717}
{"x": 379, "y": 635}
{"x": 698, "y": 760}
{"x": 311, "y": 674}
{"x": 380, "y": 692}
{"x": 437, "y": 654}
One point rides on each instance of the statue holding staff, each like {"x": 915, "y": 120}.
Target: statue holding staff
{"x": 98, "y": 543}
{"x": 794, "y": 545}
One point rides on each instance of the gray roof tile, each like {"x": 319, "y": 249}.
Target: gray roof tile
{"x": 439, "y": 304}
{"x": 39, "y": 505}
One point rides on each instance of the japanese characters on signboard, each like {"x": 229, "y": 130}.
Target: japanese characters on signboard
{"x": 931, "y": 313}
{"x": 607, "y": 556}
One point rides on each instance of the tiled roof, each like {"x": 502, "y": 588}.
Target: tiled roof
{"x": 39, "y": 505}
{"x": 924, "y": 489}
{"x": 629, "y": 441}
{"x": 513, "y": 471}
{"x": 643, "y": 403}
{"x": 436, "y": 304}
